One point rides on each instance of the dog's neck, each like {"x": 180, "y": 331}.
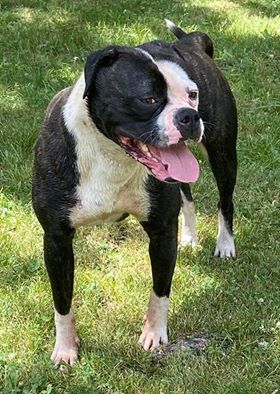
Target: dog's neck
{"x": 94, "y": 150}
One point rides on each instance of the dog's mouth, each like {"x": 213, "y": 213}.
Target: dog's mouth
{"x": 175, "y": 162}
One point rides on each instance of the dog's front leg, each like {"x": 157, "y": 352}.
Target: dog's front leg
{"x": 163, "y": 253}
{"x": 59, "y": 261}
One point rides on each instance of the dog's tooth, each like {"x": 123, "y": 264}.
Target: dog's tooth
{"x": 142, "y": 146}
{"x": 145, "y": 148}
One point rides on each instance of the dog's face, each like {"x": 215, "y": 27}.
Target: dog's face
{"x": 147, "y": 106}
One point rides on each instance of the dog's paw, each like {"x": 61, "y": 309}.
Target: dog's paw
{"x": 155, "y": 328}
{"x": 188, "y": 240}
{"x": 225, "y": 248}
{"x": 152, "y": 337}
{"x": 225, "y": 243}
{"x": 65, "y": 352}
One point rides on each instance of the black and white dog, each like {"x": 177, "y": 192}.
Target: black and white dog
{"x": 114, "y": 144}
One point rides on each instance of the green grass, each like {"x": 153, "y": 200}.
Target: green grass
{"x": 236, "y": 304}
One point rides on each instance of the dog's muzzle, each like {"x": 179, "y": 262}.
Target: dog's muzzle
{"x": 187, "y": 121}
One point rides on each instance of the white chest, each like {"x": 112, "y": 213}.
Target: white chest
{"x": 102, "y": 199}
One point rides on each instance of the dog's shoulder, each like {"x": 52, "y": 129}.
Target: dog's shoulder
{"x": 54, "y": 131}
{"x": 56, "y": 103}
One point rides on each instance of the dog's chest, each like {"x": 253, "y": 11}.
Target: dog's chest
{"x": 111, "y": 184}
{"x": 106, "y": 194}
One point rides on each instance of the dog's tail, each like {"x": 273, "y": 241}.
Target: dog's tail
{"x": 179, "y": 33}
{"x": 196, "y": 38}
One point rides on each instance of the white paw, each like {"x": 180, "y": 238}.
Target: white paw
{"x": 65, "y": 352}
{"x": 67, "y": 341}
{"x": 224, "y": 252}
{"x": 152, "y": 337}
{"x": 188, "y": 240}
{"x": 155, "y": 328}
{"x": 225, "y": 242}
{"x": 225, "y": 248}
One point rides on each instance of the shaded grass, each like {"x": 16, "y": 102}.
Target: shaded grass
{"x": 235, "y": 303}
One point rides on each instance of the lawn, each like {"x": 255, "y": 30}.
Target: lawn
{"x": 235, "y": 304}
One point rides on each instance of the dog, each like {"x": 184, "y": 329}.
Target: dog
{"x": 114, "y": 144}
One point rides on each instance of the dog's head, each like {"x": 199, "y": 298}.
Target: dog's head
{"x": 149, "y": 107}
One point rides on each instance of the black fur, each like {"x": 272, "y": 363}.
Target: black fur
{"x": 117, "y": 110}
{"x": 162, "y": 229}
{"x": 55, "y": 175}
{"x": 55, "y": 178}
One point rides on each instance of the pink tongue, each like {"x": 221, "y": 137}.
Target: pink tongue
{"x": 180, "y": 164}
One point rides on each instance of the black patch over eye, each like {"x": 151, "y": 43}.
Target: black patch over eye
{"x": 149, "y": 100}
{"x": 193, "y": 95}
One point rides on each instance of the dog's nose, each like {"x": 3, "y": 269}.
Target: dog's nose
{"x": 187, "y": 118}
{"x": 187, "y": 121}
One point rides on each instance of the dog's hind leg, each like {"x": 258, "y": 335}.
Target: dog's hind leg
{"x": 59, "y": 262}
{"x": 223, "y": 161}
{"x": 188, "y": 231}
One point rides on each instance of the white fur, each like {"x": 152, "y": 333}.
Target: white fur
{"x": 171, "y": 25}
{"x": 179, "y": 83}
{"x": 147, "y": 54}
{"x": 111, "y": 183}
{"x": 225, "y": 242}
{"x": 155, "y": 327}
{"x": 67, "y": 342}
{"x": 178, "y": 86}
{"x": 188, "y": 232}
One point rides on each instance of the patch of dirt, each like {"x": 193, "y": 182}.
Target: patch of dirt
{"x": 197, "y": 344}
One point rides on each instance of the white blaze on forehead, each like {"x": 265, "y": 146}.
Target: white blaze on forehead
{"x": 178, "y": 82}
{"x": 179, "y": 85}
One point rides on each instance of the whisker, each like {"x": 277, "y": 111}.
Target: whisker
{"x": 148, "y": 134}
{"x": 154, "y": 138}
{"x": 208, "y": 124}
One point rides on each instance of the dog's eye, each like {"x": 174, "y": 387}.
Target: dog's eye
{"x": 193, "y": 95}
{"x": 149, "y": 100}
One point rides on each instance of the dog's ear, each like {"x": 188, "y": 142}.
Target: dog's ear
{"x": 95, "y": 61}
